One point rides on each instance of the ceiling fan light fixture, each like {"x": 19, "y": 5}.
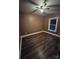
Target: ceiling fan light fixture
{"x": 42, "y": 10}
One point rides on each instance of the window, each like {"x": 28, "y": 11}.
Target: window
{"x": 53, "y": 24}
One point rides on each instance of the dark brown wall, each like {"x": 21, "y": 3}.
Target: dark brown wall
{"x": 46, "y": 20}
{"x": 30, "y": 23}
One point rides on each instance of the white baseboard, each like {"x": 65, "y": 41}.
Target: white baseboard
{"x": 31, "y": 34}
{"x": 51, "y": 33}
{"x": 40, "y": 32}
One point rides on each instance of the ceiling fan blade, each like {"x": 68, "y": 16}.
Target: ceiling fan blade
{"x": 34, "y": 10}
{"x": 53, "y": 6}
{"x": 45, "y": 1}
{"x": 47, "y": 8}
{"x": 37, "y": 7}
{"x": 32, "y": 2}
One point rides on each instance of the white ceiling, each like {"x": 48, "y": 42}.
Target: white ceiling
{"x": 28, "y": 7}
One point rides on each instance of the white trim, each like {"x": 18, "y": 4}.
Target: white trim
{"x": 31, "y": 34}
{"x": 20, "y": 47}
{"x": 40, "y": 32}
{"x": 56, "y": 24}
{"x": 51, "y": 33}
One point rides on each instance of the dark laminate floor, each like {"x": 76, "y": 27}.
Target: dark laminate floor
{"x": 40, "y": 46}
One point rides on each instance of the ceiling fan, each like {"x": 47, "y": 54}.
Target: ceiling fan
{"x": 42, "y": 7}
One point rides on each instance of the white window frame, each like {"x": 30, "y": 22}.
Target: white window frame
{"x": 55, "y": 26}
